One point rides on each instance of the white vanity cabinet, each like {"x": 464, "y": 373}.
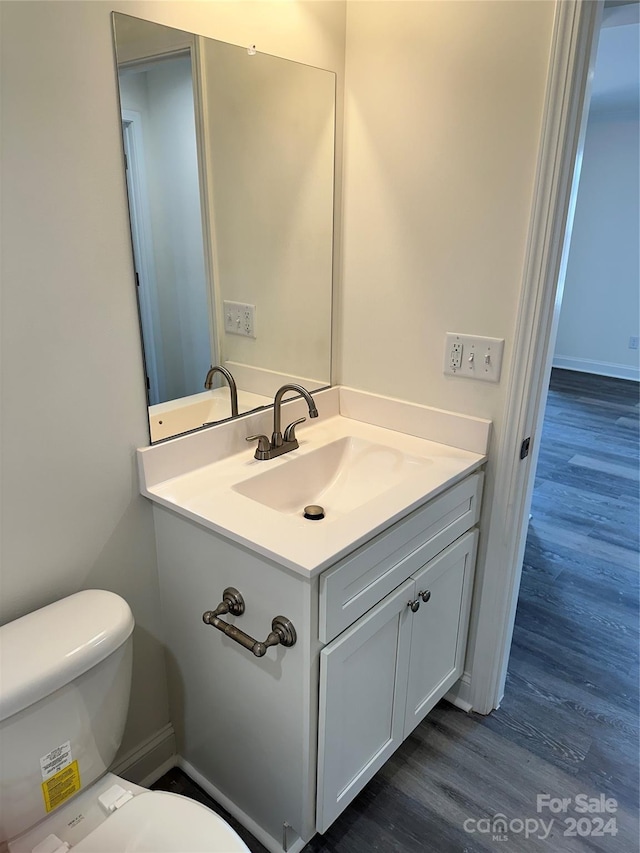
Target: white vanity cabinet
{"x": 286, "y": 741}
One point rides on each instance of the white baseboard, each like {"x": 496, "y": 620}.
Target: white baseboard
{"x": 272, "y": 844}
{"x": 150, "y": 760}
{"x": 600, "y": 368}
{"x": 460, "y": 693}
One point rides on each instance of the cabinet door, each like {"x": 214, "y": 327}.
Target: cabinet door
{"x": 439, "y": 627}
{"x": 363, "y": 684}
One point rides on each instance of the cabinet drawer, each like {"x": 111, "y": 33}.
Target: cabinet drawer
{"x": 363, "y": 579}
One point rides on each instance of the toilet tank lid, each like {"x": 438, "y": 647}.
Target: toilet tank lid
{"x": 48, "y": 648}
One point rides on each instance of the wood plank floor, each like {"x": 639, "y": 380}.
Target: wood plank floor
{"x": 568, "y": 724}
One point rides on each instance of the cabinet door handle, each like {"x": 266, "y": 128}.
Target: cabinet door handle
{"x": 414, "y": 605}
{"x": 425, "y": 595}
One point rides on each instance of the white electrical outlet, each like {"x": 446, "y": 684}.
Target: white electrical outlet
{"x": 473, "y": 356}
{"x": 633, "y": 342}
{"x": 248, "y": 320}
{"x": 239, "y": 318}
{"x": 456, "y": 355}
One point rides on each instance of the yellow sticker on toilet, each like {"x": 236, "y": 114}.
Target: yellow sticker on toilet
{"x": 61, "y": 786}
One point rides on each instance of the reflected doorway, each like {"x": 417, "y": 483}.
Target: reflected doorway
{"x": 163, "y": 184}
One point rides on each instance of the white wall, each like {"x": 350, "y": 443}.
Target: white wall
{"x": 443, "y": 116}
{"x": 601, "y": 301}
{"x": 74, "y": 406}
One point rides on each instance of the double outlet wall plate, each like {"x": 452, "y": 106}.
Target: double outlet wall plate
{"x": 473, "y": 356}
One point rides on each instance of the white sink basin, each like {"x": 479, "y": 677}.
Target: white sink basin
{"x": 338, "y": 476}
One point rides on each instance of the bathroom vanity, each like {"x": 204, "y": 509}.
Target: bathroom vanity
{"x": 378, "y": 593}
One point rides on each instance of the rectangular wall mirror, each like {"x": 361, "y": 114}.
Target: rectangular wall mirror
{"x": 229, "y": 160}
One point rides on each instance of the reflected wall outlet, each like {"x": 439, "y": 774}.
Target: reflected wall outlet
{"x": 473, "y": 356}
{"x": 239, "y": 318}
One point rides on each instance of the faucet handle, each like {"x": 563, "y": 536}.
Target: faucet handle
{"x": 290, "y": 431}
{"x": 263, "y": 443}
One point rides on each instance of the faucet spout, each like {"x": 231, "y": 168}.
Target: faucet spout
{"x": 276, "y": 438}
{"x": 278, "y": 445}
{"x": 233, "y": 390}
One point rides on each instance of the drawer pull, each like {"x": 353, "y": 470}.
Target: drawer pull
{"x": 282, "y": 630}
{"x": 414, "y": 605}
{"x": 425, "y": 595}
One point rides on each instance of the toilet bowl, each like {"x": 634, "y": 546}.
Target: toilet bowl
{"x": 66, "y": 677}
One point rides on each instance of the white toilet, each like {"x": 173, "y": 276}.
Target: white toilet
{"x": 65, "y": 676}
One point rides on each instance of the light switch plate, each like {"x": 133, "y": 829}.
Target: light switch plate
{"x": 473, "y": 356}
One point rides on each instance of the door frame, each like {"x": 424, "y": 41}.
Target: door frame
{"x": 207, "y": 198}
{"x": 142, "y": 243}
{"x": 572, "y": 59}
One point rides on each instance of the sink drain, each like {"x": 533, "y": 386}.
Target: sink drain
{"x": 314, "y": 512}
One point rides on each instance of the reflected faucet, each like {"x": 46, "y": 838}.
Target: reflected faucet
{"x": 233, "y": 390}
{"x": 280, "y": 443}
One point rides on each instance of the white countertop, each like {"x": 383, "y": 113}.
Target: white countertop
{"x": 205, "y": 492}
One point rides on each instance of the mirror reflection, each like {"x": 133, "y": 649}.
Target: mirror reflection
{"x": 229, "y": 165}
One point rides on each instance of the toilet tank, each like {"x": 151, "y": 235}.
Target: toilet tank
{"x": 65, "y": 677}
